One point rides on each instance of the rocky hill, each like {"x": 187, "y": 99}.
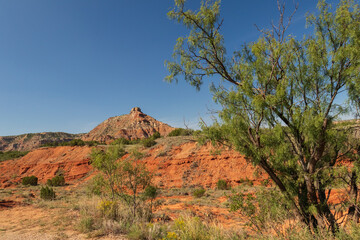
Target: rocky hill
{"x": 175, "y": 162}
{"x": 30, "y": 141}
{"x": 45, "y": 163}
{"x": 134, "y": 125}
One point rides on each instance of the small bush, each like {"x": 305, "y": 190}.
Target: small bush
{"x": 156, "y": 135}
{"x": 47, "y": 193}
{"x": 150, "y": 192}
{"x": 86, "y": 224}
{"x": 222, "y": 185}
{"x": 56, "y": 181}
{"x": 11, "y": 155}
{"x": 108, "y": 209}
{"x": 148, "y": 142}
{"x": 198, "y": 193}
{"x": 32, "y": 180}
{"x": 120, "y": 141}
{"x": 181, "y": 132}
{"x": 73, "y": 142}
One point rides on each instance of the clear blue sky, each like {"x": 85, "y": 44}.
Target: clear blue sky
{"x": 67, "y": 65}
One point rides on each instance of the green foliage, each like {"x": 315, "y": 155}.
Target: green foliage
{"x": 47, "y": 193}
{"x": 32, "y": 180}
{"x": 148, "y": 142}
{"x": 284, "y": 99}
{"x": 136, "y": 154}
{"x": 222, "y": 184}
{"x": 198, "y": 193}
{"x": 11, "y": 155}
{"x": 267, "y": 210}
{"x": 86, "y": 224}
{"x": 121, "y": 141}
{"x": 73, "y": 142}
{"x": 56, "y": 181}
{"x": 181, "y": 132}
{"x": 150, "y": 192}
{"x": 124, "y": 180}
{"x": 156, "y": 135}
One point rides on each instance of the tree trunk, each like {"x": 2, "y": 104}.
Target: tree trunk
{"x": 354, "y": 211}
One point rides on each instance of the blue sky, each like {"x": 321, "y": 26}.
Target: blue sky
{"x": 67, "y": 65}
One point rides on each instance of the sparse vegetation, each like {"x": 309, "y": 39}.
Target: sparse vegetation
{"x": 47, "y": 193}
{"x": 121, "y": 141}
{"x": 148, "y": 142}
{"x": 73, "y": 142}
{"x": 56, "y": 181}
{"x": 222, "y": 185}
{"x": 181, "y": 132}
{"x": 199, "y": 192}
{"x": 11, "y": 155}
{"x": 121, "y": 180}
{"x": 31, "y": 180}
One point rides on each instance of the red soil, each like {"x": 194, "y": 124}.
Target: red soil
{"x": 44, "y": 163}
{"x": 184, "y": 165}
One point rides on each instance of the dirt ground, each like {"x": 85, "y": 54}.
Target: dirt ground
{"x": 23, "y": 215}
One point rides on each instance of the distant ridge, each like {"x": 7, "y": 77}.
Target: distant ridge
{"x": 30, "y": 141}
{"x": 134, "y": 125}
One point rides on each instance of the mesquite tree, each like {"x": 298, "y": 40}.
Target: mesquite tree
{"x": 280, "y": 97}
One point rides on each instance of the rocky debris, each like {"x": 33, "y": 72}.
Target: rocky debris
{"x": 30, "y": 141}
{"x": 134, "y": 125}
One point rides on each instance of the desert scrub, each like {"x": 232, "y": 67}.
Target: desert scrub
{"x": 222, "y": 184}
{"x": 56, "y": 181}
{"x": 32, "y": 181}
{"x": 181, "y": 132}
{"x": 47, "y": 193}
{"x": 86, "y": 224}
{"x": 198, "y": 193}
{"x": 108, "y": 209}
{"x": 193, "y": 228}
{"x": 148, "y": 142}
{"x": 11, "y": 155}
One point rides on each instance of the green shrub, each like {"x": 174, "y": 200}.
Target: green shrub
{"x": 156, "y": 135}
{"x": 121, "y": 141}
{"x": 150, "y": 192}
{"x": 73, "y": 142}
{"x": 56, "y": 181}
{"x": 32, "y": 180}
{"x": 47, "y": 193}
{"x": 198, "y": 193}
{"x": 148, "y": 142}
{"x": 11, "y": 155}
{"x": 222, "y": 184}
{"x": 86, "y": 224}
{"x": 181, "y": 132}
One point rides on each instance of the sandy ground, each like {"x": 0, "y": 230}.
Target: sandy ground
{"x": 30, "y": 222}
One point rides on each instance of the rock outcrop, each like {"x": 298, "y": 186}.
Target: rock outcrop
{"x": 45, "y": 163}
{"x": 134, "y": 125}
{"x": 30, "y": 141}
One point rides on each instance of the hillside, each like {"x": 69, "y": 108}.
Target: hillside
{"x": 30, "y": 141}
{"x": 45, "y": 163}
{"x": 175, "y": 162}
{"x": 134, "y": 125}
